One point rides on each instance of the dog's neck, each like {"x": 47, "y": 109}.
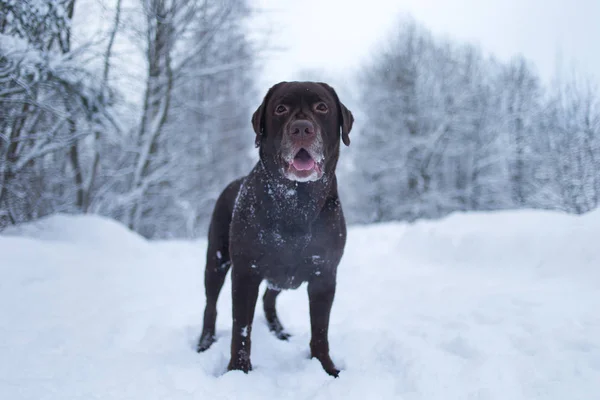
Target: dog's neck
{"x": 295, "y": 205}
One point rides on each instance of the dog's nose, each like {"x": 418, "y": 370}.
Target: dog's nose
{"x": 302, "y": 127}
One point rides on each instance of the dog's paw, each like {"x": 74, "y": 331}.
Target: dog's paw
{"x": 206, "y": 340}
{"x": 243, "y": 365}
{"x": 328, "y": 365}
{"x": 277, "y": 329}
{"x": 282, "y": 335}
{"x": 330, "y": 368}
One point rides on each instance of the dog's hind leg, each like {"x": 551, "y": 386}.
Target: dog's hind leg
{"x": 218, "y": 261}
{"x": 217, "y": 265}
{"x": 271, "y": 314}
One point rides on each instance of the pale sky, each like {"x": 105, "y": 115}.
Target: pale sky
{"x": 337, "y": 35}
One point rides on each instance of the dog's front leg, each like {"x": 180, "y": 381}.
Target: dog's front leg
{"x": 244, "y": 291}
{"x": 321, "y": 292}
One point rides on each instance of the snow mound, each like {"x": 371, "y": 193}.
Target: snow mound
{"x": 528, "y": 241}
{"x": 85, "y": 230}
{"x": 476, "y": 306}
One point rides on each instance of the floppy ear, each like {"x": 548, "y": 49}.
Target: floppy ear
{"x": 257, "y": 121}
{"x": 346, "y": 118}
{"x": 346, "y": 123}
{"x": 258, "y": 118}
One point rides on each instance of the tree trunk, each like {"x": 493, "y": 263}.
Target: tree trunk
{"x": 76, "y": 165}
{"x": 157, "y": 100}
{"x": 89, "y": 187}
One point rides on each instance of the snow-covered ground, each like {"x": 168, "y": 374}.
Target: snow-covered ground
{"x": 480, "y": 306}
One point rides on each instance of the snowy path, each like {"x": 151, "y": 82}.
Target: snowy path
{"x": 487, "y": 306}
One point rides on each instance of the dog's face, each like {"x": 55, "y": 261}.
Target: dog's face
{"x": 298, "y": 129}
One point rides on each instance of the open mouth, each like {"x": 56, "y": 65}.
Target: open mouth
{"x": 303, "y": 161}
{"x": 303, "y": 167}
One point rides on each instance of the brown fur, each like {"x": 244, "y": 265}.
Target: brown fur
{"x": 280, "y": 230}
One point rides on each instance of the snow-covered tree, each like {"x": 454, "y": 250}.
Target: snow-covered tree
{"x": 191, "y": 136}
{"x": 448, "y": 129}
{"x": 573, "y": 121}
{"x": 428, "y": 145}
{"x": 48, "y": 97}
{"x": 140, "y": 120}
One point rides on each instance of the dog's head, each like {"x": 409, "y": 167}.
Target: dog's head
{"x": 298, "y": 129}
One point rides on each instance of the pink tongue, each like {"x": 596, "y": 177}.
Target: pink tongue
{"x": 303, "y": 164}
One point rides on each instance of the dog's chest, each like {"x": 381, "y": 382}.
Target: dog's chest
{"x": 288, "y": 259}
{"x": 282, "y": 233}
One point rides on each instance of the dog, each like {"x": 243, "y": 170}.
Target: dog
{"x": 283, "y": 222}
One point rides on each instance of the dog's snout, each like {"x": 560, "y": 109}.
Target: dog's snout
{"x": 302, "y": 127}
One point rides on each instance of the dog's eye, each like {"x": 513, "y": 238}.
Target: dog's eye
{"x": 322, "y": 107}
{"x": 280, "y": 109}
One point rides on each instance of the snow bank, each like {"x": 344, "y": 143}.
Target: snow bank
{"x": 528, "y": 241}
{"x": 81, "y": 230}
{"x": 477, "y": 306}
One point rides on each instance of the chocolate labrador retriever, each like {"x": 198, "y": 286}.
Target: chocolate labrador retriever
{"x": 283, "y": 222}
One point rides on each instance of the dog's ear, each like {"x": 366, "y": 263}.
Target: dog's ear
{"x": 258, "y": 118}
{"x": 346, "y": 118}
{"x": 346, "y": 123}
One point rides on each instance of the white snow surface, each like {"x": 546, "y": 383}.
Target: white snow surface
{"x": 499, "y": 305}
